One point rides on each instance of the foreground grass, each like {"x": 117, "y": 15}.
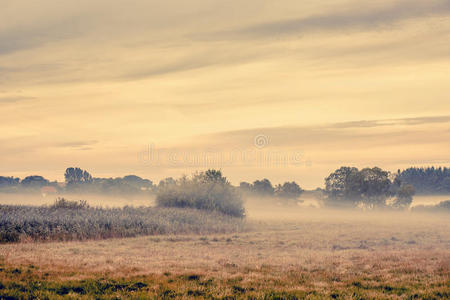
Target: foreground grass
{"x": 44, "y": 223}
{"x": 30, "y": 282}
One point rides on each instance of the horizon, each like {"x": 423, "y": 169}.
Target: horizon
{"x": 61, "y": 179}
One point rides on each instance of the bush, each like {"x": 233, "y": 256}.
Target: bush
{"x": 206, "y": 190}
{"x": 69, "y": 204}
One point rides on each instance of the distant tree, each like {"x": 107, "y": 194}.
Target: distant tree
{"x": 245, "y": 186}
{"x": 9, "y": 181}
{"x": 211, "y": 175}
{"x": 263, "y": 187}
{"x": 137, "y": 182}
{"x": 34, "y": 181}
{"x": 375, "y": 186}
{"x": 431, "y": 180}
{"x": 77, "y": 176}
{"x": 166, "y": 182}
{"x": 115, "y": 186}
{"x": 78, "y": 180}
{"x": 446, "y": 185}
{"x": 343, "y": 186}
{"x": 369, "y": 187}
{"x": 289, "y": 190}
{"x": 127, "y": 185}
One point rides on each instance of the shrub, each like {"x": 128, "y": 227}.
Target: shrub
{"x": 69, "y": 204}
{"x": 206, "y": 190}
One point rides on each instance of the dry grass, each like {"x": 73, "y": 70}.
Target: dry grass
{"x": 306, "y": 255}
{"x": 72, "y": 220}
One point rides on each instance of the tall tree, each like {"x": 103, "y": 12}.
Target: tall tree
{"x": 77, "y": 176}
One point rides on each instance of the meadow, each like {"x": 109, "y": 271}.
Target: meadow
{"x": 283, "y": 253}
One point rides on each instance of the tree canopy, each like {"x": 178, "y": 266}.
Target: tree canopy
{"x": 369, "y": 187}
{"x": 77, "y": 176}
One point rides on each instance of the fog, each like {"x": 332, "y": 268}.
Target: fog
{"x": 92, "y": 199}
{"x": 257, "y": 208}
{"x": 310, "y": 210}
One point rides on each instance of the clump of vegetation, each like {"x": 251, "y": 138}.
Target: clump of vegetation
{"x": 75, "y": 220}
{"x": 69, "y": 204}
{"x": 286, "y": 193}
{"x": 208, "y": 190}
{"x": 368, "y": 188}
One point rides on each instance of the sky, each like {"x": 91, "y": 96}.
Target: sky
{"x": 284, "y": 90}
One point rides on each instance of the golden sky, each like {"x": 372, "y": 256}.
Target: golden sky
{"x": 162, "y": 88}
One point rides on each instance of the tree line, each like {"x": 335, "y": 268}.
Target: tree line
{"x": 429, "y": 180}
{"x": 77, "y": 180}
{"x": 347, "y": 186}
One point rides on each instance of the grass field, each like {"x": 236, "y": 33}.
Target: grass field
{"x": 304, "y": 254}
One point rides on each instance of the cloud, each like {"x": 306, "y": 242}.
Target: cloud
{"x": 172, "y": 67}
{"x": 33, "y": 143}
{"x": 204, "y": 56}
{"x": 426, "y": 120}
{"x": 392, "y": 122}
{"x": 37, "y": 35}
{"x": 82, "y": 145}
{"x": 351, "y": 19}
{"x": 106, "y": 41}
{"x": 342, "y": 135}
{"x": 14, "y": 99}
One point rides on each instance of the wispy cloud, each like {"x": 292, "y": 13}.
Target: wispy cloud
{"x": 355, "y": 18}
{"x": 33, "y": 143}
{"x": 14, "y": 99}
{"x": 36, "y": 35}
{"x": 344, "y": 135}
{"x": 392, "y": 122}
{"x": 76, "y": 144}
{"x": 205, "y": 56}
